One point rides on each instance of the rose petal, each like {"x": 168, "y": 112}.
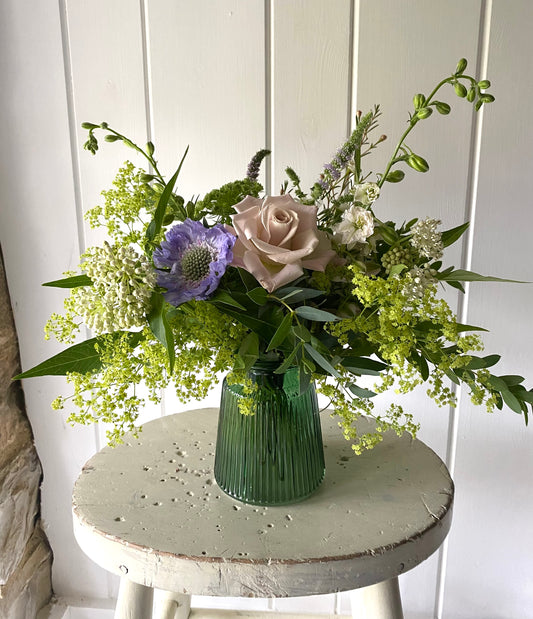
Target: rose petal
{"x": 247, "y": 203}
{"x": 322, "y": 255}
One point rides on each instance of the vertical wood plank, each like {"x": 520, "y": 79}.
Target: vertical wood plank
{"x": 311, "y": 92}
{"x": 310, "y": 85}
{"x": 108, "y": 84}
{"x": 39, "y": 237}
{"x": 488, "y": 567}
{"x": 207, "y": 64}
{"x": 405, "y": 48}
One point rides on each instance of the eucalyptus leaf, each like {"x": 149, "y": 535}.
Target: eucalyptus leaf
{"x": 461, "y": 275}
{"x": 312, "y": 313}
{"x": 281, "y": 332}
{"x": 363, "y": 365}
{"x": 360, "y": 392}
{"x": 477, "y": 363}
{"x": 296, "y": 294}
{"x": 511, "y": 401}
{"x": 258, "y": 295}
{"x": 222, "y": 296}
{"x": 321, "y": 360}
{"x": 249, "y": 350}
{"x": 289, "y": 361}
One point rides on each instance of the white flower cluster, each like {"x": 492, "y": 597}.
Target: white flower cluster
{"x": 418, "y": 280}
{"x": 426, "y": 239}
{"x": 123, "y": 282}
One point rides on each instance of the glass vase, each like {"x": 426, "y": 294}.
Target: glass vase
{"x": 274, "y": 456}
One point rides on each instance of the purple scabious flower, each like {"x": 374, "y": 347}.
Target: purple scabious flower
{"x": 196, "y": 258}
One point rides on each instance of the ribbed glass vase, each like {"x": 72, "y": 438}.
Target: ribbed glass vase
{"x": 275, "y": 456}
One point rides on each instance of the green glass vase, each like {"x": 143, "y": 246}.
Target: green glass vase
{"x": 274, "y": 456}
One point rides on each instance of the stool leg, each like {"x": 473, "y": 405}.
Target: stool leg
{"x": 169, "y": 605}
{"x": 379, "y": 601}
{"x": 134, "y": 601}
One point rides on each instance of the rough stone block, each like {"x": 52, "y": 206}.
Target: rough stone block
{"x": 19, "y": 488}
{"x": 29, "y": 589}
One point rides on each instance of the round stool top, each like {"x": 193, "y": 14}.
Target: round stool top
{"x": 150, "y": 510}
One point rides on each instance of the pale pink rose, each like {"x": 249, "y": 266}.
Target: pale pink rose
{"x": 277, "y": 238}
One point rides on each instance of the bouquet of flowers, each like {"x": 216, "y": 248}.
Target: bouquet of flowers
{"x": 317, "y": 280}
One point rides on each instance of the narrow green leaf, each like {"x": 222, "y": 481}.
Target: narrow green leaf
{"x": 321, "y": 360}
{"x": 296, "y": 294}
{"x": 478, "y": 363}
{"x": 457, "y": 285}
{"x": 248, "y": 279}
{"x": 281, "y": 333}
{"x": 258, "y": 295}
{"x": 461, "y": 328}
{"x": 225, "y": 297}
{"x": 71, "y": 282}
{"x": 302, "y": 333}
{"x": 462, "y": 275}
{"x": 360, "y": 392}
{"x": 82, "y": 358}
{"x": 158, "y": 321}
{"x": 155, "y": 225}
{"x": 511, "y": 401}
{"x": 449, "y": 237}
{"x": 312, "y": 313}
{"x": 304, "y": 379}
{"x": 522, "y": 393}
{"x": 512, "y": 379}
{"x": 249, "y": 350}
{"x": 264, "y": 329}
{"x": 289, "y": 361}
{"x": 363, "y": 365}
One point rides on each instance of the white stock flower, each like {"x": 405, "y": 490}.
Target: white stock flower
{"x": 366, "y": 193}
{"x": 356, "y": 226}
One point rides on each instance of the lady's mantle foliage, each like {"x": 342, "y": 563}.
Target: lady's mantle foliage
{"x": 315, "y": 280}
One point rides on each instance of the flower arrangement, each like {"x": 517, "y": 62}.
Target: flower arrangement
{"x": 184, "y": 290}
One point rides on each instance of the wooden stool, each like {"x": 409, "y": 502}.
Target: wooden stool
{"x": 151, "y": 512}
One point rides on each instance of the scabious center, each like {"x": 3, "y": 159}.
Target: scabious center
{"x": 195, "y": 263}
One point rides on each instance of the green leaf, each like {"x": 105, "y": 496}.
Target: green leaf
{"x": 81, "y": 358}
{"x": 457, "y": 285}
{"x": 462, "y": 275}
{"x": 248, "y": 279}
{"x": 396, "y": 269}
{"x": 71, "y": 282}
{"x": 264, "y": 329}
{"x": 461, "y": 328}
{"x": 321, "y": 360}
{"x": 312, "y": 313}
{"x": 154, "y": 228}
{"x": 511, "y": 401}
{"x": 158, "y": 321}
{"x": 304, "y": 379}
{"x": 512, "y": 379}
{"x": 288, "y": 362}
{"x": 281, "y": 332}
{"x": 477, "y": 363}
{"x": 421, "y": 364}
{"x": 360, "y": 392}
{"x": 296, "y": 294}
{"x": 225, "y": 297}
{"x": 522, "y": 393}
{"x": 363, "y": 365}
{"x": 258, "y": 295}
{"x": 302, "y": 333}
{"x": 449, "y": 237}
{"x": 249, "y": 350}
{"x": 497, "y": 383}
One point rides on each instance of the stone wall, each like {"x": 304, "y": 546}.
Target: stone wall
{"x": 25, "y": 556}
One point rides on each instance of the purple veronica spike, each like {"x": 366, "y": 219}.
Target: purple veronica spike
{"x": 196, "y": 257}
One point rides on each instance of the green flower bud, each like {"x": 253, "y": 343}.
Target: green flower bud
{"x": 112, "y": 138}
{"x": 486, "y": 98}
{"x": 146, "y": 178}
{"x": 425, "y": 112}
{"x": 460, "y": 90}
{"x": 442, "y": 108}
{"x": 104, "y": 125}
{"x": 89, "y": 126}
{"x": 395, "y": 176}
{"x": 150, "y": 148}
{"x": 417, "y": 163}
{"x": 419, "y": 101}
{"x": 471, "y": 94}
{"x": 484, "y": 84}
{"x": 461, "y": 66}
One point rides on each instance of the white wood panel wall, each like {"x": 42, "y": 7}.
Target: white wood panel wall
{"x": 229, "y": 77}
